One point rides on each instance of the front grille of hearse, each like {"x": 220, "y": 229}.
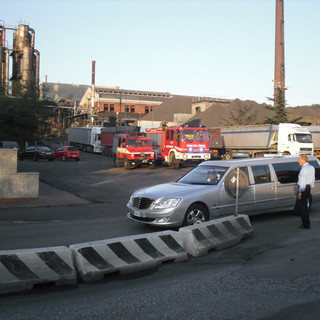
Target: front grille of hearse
{"x": 142, "y": 203}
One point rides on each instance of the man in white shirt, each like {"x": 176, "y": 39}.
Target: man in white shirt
{"x": 305, "y": 183}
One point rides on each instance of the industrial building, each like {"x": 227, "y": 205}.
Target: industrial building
{"x": 25, "y": 63}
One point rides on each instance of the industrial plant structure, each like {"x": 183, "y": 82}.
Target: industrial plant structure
{"x": 25, "y": 62}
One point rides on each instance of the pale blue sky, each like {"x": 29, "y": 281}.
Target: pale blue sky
{"x": 217, "y": 48}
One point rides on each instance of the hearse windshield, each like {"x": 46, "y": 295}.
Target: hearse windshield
{"x": 204, "y": 175}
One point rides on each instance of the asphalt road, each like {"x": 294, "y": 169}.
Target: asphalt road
{"x": 272, "y": 275}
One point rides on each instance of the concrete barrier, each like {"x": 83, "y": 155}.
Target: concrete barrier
{"x": 8, "y": 161}
{"x": 13, "y": 184}
{"x": 21, "y": 269}
{"x": 127, "y": 254}
{"x": 19, "y": 185}
{"x": 215, "y": 234}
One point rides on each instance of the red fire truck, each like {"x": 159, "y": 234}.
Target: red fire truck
{"x": 179, "y": 144}
{"x": 133, "y": 151}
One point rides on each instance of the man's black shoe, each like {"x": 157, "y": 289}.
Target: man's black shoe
{"x": 303, "y": 227}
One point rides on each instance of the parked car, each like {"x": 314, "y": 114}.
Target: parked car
{"x": 67, "y": 152}
{"x": 37, "y": 152}
{"x": 214, "y": 189}
{"x": 9, "y": 145}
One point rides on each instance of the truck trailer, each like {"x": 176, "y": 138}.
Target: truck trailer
{"x": 315, "y": 131}
{"x": 215, "y": 143}
{"x": 264, "y": 140}
{"x": 86, "y": 139}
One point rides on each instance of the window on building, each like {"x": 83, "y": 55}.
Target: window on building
{"x": 127, "y": 108}
{"x": 106, "y": 107}
{"x": 132, "y": 109}
{"x": 198, "y": 109}
{"x": 111, "y": 107}
{"x": 147, "y": 110}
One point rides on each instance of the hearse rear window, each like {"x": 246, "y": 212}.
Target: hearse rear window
{"x": 317, "y": 169}
{"x": 261, "y": 174}
{"x": 288, "y": 172}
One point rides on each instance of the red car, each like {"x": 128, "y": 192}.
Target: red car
{"x": 65, "y": 153}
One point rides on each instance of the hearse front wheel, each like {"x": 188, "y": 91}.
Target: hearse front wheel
{"x": 196, "y": 213}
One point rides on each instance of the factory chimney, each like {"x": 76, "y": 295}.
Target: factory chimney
{"x": 279, "y": 69}
{"x": 93, "y": 80}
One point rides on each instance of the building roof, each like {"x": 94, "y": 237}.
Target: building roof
{"x": 174, "y": 105}
{"x": 107, "y": 92}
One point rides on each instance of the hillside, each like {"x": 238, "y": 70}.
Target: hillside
{"x": 220, "y": 115}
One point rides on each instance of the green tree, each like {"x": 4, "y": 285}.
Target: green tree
{"x": 112, "y": 120}
{"x": 24, "y": 117}
{"x": 279, "y": 109}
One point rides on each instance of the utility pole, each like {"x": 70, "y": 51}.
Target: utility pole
{"x": 279, "y": 68}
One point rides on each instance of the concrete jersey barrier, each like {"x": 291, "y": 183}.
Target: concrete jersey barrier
{"x": 215, "y": 234}
{"x": 127, "y": 254}
{"x": 21, "y": 269}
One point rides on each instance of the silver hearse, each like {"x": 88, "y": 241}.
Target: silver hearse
{"x": 217, "y": 188}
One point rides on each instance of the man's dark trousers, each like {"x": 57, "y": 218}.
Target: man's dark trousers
{"x": 303, "y": 207}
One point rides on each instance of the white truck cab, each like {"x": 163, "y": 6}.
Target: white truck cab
{"x": 293, "y": 139}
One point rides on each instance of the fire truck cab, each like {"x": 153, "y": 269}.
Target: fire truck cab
{"x": 176, "y": 145}
{"x": 133, "y": 151}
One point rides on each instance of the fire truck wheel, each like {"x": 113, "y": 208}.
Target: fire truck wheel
{"x": 151, "y": 166}
{"x": 196, "y": 213}
{"x": 117, "y": 162}
{"x": 174, "y": 162}
{"x": 228, "y": 155}
{"x": 127, "y": 164}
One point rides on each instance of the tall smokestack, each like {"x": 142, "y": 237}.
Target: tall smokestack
{"x": 279, "y": 69}
{"x": 93, "y": 80}
{"x": 93, "y": 77}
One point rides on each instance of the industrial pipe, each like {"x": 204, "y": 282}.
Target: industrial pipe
{"x": 37, "y": 77}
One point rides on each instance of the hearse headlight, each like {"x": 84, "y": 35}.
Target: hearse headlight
{"x": 201, "y": 149}
{"x": 131, "y": 199}
{"x": 168, "y": 203}
{"x": 190, "y": 149}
